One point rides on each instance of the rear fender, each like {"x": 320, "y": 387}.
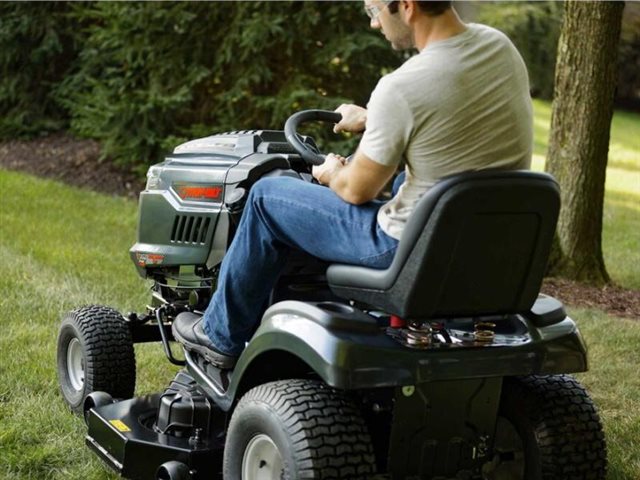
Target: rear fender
{"x": 324, "y": 339}
{"x": 348, "y": 350}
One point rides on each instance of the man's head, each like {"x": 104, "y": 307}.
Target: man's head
{"x": 394, "y": 18}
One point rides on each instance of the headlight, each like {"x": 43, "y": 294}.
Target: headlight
{"x": 153, "y": 178}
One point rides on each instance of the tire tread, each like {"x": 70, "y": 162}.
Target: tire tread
{"x": 110, "y": 356}
{"x": 568, "y": 428}
{"x": 328, "y": 432}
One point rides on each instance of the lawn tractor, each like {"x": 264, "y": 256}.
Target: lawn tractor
{"x": 449, "y": 364}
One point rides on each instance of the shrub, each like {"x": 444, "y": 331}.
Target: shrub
{"x": 152, "y": 74}
{"x": 36, "y": 50}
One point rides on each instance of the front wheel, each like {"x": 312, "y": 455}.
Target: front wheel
{"x": 95, "y": 353}
{"x": 548, "y": 428}
{"x": 294, "y": 429}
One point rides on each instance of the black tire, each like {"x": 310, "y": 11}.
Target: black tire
{"x": 318, "y": 432}
{"x": 548, "y": 429}
{"x": 95, "y": 354}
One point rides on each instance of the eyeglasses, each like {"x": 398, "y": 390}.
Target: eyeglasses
{"x": 373, "y": 11}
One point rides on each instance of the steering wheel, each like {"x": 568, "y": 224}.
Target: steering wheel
{"x": 291, "y": 132}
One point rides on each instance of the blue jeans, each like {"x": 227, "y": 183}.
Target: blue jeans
{"x": 282, "y": 214}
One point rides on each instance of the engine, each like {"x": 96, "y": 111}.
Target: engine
{"x": 192, "y": 202}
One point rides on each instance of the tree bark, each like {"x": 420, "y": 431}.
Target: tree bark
{"x": 585, "y": 82}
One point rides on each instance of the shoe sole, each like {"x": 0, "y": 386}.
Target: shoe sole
{"x": 225, "y": 364}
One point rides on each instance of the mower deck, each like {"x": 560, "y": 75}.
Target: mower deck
{"x": 123, "y": 437}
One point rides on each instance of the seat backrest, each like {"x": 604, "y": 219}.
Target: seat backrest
{"x": 477, "y": 243}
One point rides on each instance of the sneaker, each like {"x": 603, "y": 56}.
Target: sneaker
{"x": 187, "y": 329}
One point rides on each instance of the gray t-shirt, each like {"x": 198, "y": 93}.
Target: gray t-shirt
{"x": 461, "y": 104}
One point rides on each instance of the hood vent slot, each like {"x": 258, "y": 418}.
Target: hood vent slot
{"x": 190, "y": 229}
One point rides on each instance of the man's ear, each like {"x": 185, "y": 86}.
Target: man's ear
{"x": 409, "y": 9}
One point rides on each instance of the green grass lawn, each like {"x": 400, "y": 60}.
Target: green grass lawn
{"x": 61, "y": 247}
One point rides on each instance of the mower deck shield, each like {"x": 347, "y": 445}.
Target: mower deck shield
{"x": 123, "y": 437}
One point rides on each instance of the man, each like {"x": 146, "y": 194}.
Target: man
{"x": 461, "y": 104}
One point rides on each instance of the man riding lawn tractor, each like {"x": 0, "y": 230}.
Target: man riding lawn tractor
{"x": 424, "y": 350}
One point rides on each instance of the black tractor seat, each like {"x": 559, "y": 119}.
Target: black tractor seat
{"x": 476, "y": 244}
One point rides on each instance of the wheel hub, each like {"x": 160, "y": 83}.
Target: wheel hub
{"x": 75, "y": 364}
{"x": 262, "y": 460}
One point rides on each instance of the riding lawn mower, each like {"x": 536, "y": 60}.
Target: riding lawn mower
{"x": 449, "y": 364}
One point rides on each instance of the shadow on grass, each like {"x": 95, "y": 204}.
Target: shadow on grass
{"x": 624, "y": 165}
{"x": 624, "y": 200}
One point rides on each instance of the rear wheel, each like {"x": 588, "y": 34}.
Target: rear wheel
{"x": 95, "y": 353}
{"x": 295, "y": 429}
{"x": 548, "y": 429}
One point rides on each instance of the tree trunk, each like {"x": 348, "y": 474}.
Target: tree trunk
{"x": 579, "y": 141}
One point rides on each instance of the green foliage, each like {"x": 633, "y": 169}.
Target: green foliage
{"x": 142, "y": 77}
{"x": 534, "y": 28}
{"x": 149, "y": 72}
{"x": 36, "y": 50}
{"x": 137, "y": 69}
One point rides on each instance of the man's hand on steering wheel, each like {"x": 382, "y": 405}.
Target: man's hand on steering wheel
{"x": 325, "y": 172}
{"x": 353, "y": 120}
{"x": 356, "y": 182}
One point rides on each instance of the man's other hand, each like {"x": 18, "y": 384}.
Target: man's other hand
{"x": 353, "y": 120}
{"x": 356, "y": 182}
{"x": 325, "y": 172}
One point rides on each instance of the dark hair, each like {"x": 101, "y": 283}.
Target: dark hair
{"x": 432, "y": 8}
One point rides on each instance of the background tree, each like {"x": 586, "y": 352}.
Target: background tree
{"x": 585, "y": 83}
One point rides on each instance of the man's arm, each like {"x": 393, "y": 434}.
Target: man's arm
{"x": 356, "y": 182}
